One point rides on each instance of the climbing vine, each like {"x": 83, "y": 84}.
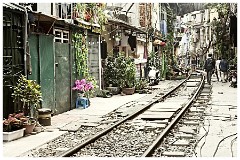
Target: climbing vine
{"x": 81, "y": 53}
{"x": 169, "y": 48}
{"x": 81, "y": 60}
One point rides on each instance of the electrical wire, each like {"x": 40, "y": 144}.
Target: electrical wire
{"x": 232, "y": 145}
{"x": 205, "y": 137}
{"x": 221, "y": 142}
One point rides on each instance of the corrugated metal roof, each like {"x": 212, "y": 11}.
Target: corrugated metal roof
{"x": 12, "y": 6}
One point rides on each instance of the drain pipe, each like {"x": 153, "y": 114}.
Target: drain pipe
{"x": 25, "y": 37}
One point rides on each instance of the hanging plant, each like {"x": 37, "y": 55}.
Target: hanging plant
{"x": 93, "y": 13}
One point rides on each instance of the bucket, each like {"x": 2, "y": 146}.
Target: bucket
{"x": 44, "y": 116}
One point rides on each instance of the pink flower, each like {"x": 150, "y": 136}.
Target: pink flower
{"x": 77, "y": 82}
{"x": 83, "y": 85}
{"x": 83, "y": 81}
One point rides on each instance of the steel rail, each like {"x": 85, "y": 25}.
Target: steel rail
{"x": 104, "y": 131}
{"x": 163, "y": 134}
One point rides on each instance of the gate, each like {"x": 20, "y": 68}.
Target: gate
{"x": 93, "y": 57}
{"x": 51, "y": 69}
{"x": 62, "y": 77}
{"x": 13, "y": 57}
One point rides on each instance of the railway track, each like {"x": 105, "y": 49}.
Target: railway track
{"x": 141, "y": 132}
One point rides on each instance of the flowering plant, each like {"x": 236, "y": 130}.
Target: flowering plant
{"x": 83, "y": 85}
{"x": 13, "y": 122}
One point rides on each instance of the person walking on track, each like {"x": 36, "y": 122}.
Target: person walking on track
{"x": 208, "y": 67}
{"x": 224, "y": 69}
{"x": 217, "y": 69}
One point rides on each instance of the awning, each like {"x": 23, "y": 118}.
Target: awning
{"x": 52, "y": 19}
{"x": 12, "y": 6}
{"x": 126, "y": 25}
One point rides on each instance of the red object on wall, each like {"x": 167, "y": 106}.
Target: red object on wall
{"x": 162, "y": 43}
{"x": 87, "y": 16}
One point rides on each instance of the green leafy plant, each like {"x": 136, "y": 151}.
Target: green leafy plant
{"x": 220, "y": 27}
{"x": 28, "y": 92}
{"x": 81, "y": 53}
{"x": 127, "y": 72}
{"x": 141, "y": 84}
{"x": 169, "y": 48}
{"x": 120, "y": 72}
{"x": 94, "y": 13}
{"x": 111, "y": 72}
{"x": 81, "y": 60}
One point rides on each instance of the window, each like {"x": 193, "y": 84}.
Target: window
{"x": 61, "y": 36}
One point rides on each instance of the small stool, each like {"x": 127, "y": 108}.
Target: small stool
{"x": 82, "y": 102}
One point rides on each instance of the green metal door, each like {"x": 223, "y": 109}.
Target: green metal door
{"x": 42, "y": 62}
{"x": 62, "y": 77}
{"x": 47, "y": 70}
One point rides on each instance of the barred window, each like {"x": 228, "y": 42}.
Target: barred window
{"x": 61, "y": 36}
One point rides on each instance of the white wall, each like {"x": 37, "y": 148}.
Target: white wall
{"x": 140, "y": 49}
{"x": 155, "y": 16}
{"x": 45, "y": 8}
{"x": 213, "y": 13}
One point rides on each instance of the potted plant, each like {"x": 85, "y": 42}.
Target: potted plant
{"x": 85, "y": 89}
{"x": 28, "y": 92}
{"x": 140, "y": 84}
{"x": 127, "y": 74}
{"x": 13, "y": 127}
{"x": 111, "y": 77}
{"x": 29, "y": 124}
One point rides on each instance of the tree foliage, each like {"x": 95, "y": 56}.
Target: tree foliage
{"x": 220, "y": 27}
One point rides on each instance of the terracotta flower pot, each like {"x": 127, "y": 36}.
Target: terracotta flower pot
{"x": 128, "y": 91}
{"x": 29, "y": 128}
{"x": 114, "y": 90}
